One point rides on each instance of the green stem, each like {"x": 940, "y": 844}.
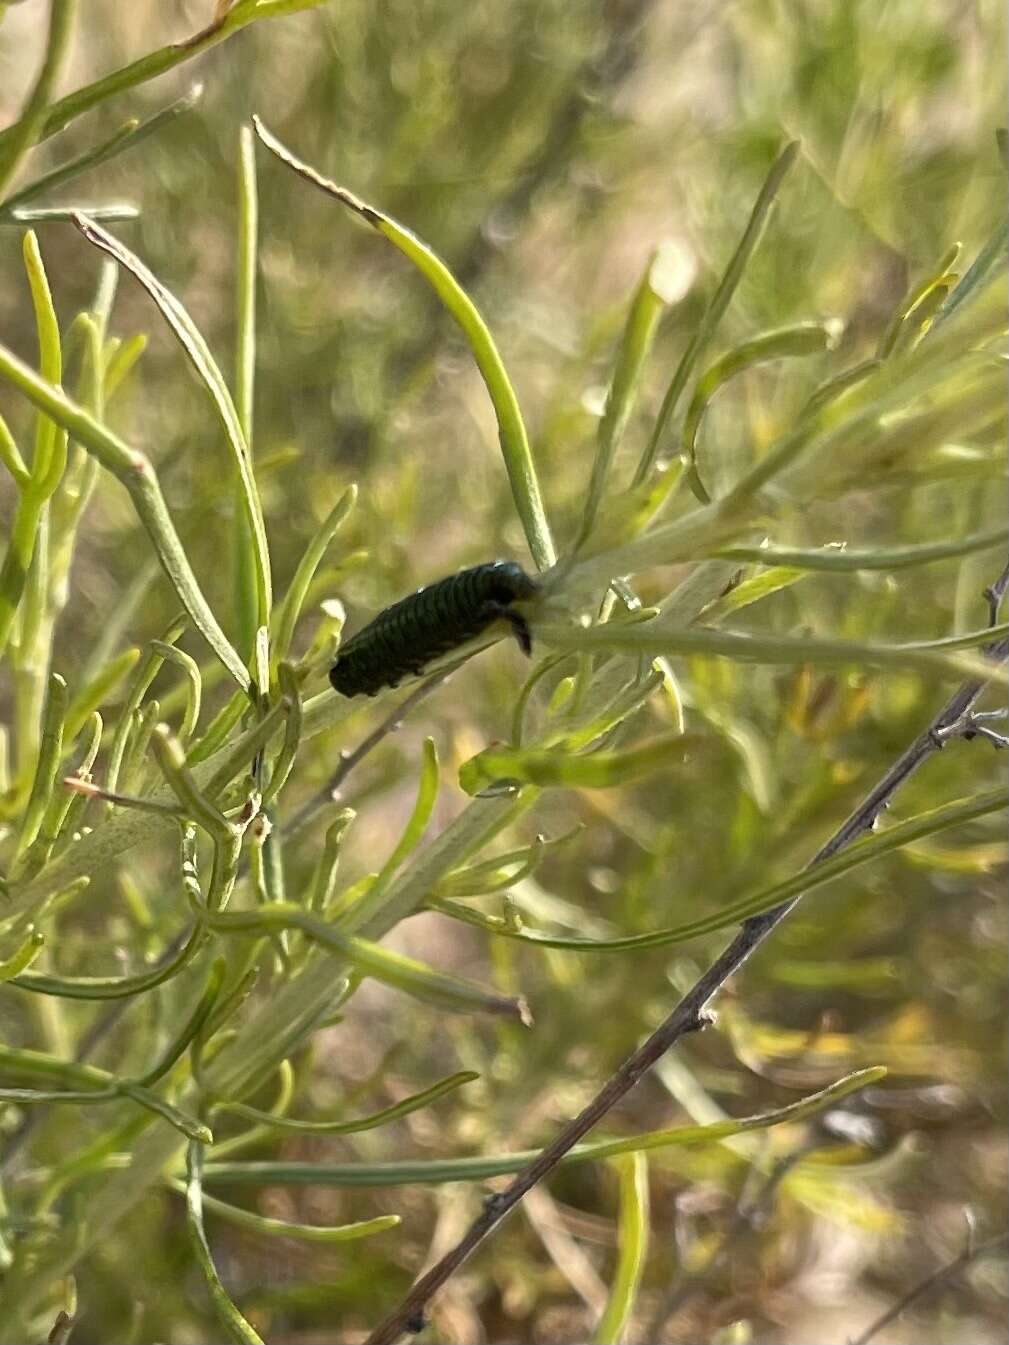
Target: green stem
{"x": 30, "y": 127}
{"x": 706, "y": 328}
{"x": 155, "y": 63}
{"x": 128, "y": 136}
{"x": 511, "y": 427}
{"x": 135, "y": 472}
{"x": 244, "y": 577}
{"x": 229, "y": 1316}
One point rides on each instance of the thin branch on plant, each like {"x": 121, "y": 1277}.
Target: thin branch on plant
{"x": 56, "y": 116}
{"x": 690, "y": 1015}
{"x": 974, "y": 724}
{"x": 27, "y": 130}
{"x": 971, "y": 1252}
{"x": 348, "y": 760}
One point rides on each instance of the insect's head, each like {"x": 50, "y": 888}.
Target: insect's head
{"x": 510, "y": 583}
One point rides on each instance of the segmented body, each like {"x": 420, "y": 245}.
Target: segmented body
{"x": 407, "y": 636}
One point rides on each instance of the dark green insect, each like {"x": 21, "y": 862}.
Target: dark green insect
{"x": 407, "y": 636}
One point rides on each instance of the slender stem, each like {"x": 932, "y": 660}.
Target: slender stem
{"x": 390, "y": 724}
{"x": 512, "y": 434}
{"x": 970, "y": 1253}
{"x": 60, "y": 114}
{"x": 718, "y": 304}
{"x": 137, "y": 474}
{"x": 689, "y": 1015}
{"x": 246, "y": 600}
{"x": 18, "y": 140}
{"x": 132, "y": 133}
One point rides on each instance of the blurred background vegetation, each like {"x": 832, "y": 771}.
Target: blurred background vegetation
{"x": 544, "y": 149}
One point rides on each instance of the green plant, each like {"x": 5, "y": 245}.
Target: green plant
{"x": 255, "y": 962}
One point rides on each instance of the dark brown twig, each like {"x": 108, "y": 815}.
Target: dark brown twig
{"x": 688, "y": 1016}
{"x": 349, "y": 760}
{"x": 971, "y": 1252}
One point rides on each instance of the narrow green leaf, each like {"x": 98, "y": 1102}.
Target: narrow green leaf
{"x": 22, "y": 958}
{"x": 379, "y": 1118}
{"x": 427, "y": 796}
{"x": 632, "y": 1245}
{"x": 228, "y": 1315}
{"x": 503, "y": 871}
{"x": 97, "y": 691}
{"x": 597, "y": 770}
{"x": 93, "y": 1085}
{"x": 658, "y": 637}
{"x": 50, "y": 752}
{"x": 718, "y": 303}
{"x": 650, "y": 299}
{"x": 148, "y": 668}
{"x": 502, "y": 1165}
{"x": 238, "y": 751}
{"x": 282, "y": 1228}
{"x": 541, "y": 670}
{"x": 47, "y": 467}
{"x": 23, "y": 1063}
{"x": 935, "y": 287}
{"x": 18, "y": 139}
{"x": 754, "y": 589}
{"x": 50, "y": 457}
{"x": 60, "y": 803}
{"x": 598, "y": 715}
{"x": 120, "y": 363}
{"x": 198, "y": 352}
{"x": 324, "y": 880}
{"x": 861, "y": 852}
{"x": 833, "y": 388}
{"x": 806, "y": 338}
{"x": 190, "y": 1029}
{"x": 10, "y": 456}
{"x": 112, "y": 987}
{"x": 395, "y": 969}
{"x": 217, "y": 732}
{"x": 194, "y": 687}
{"x": 989, "y": 260}
{"x": 136, "y": 473}
{"x": 187, "y": 1125}
{"x": 134, "y": 132}
{"x": 57, "y": 115}
{"x": 286, "y": 615}
{"x": 284, "y": 762}
{"x": 197, "y": 805}
{"x": 248, "y": 613}
{"x": 511, "y": 427}
{"x": 839, "y": 557}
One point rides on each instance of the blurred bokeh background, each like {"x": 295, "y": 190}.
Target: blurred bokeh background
{"x": 544, "y": 148}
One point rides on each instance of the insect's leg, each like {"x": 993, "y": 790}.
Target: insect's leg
{"x": 518, "y": 623}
